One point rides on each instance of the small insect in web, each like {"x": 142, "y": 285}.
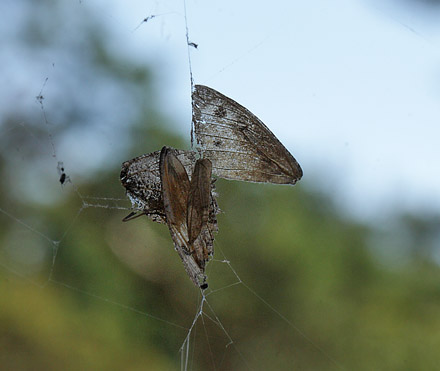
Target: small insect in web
{"x": 150, "y": 17}
{"x": 194, "y": 45}
{"x": 40, "y": 96}
{"x": 234, "y": 144}
{"x": 145, "y": 20}
{"x": 63, "y": 177}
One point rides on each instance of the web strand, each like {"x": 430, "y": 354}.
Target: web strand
{"x": 188, "y": 46}
{"x": 40, "y": 99}
{"x": 112, "y": 302}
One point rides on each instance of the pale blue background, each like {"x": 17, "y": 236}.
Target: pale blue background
{"x": 352, "y": 88}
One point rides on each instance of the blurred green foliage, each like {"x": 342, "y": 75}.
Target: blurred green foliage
{"x": 312, "y": 292}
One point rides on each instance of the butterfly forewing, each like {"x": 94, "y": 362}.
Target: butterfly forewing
{"x": 141, "y": 179}
{"x": 199, "y": 199}
{"x": 238, "y": 144}
{"x": 175, "y": 188}
{"x": 177, "y": 191}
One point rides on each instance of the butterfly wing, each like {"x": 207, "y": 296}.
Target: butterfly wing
{"x": 177, "y": 190}
{"x": 199, "y": 198}
{"x": 141, "y": 179}
{"x": 237, "y": 143}
{"x": 199, "y": 234}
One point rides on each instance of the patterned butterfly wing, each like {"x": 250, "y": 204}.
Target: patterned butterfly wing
{"x": 237, "y": 143}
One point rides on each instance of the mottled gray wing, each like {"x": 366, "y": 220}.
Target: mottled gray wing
{"x": 182, "y": 202}
{"x": 141, "y": 179}
{"x": 237, "y": 143}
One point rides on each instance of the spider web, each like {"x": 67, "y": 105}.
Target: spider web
{"x": 38, "y": 255}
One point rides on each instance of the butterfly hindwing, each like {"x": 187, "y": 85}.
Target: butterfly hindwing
{"x": 237, "y": 143}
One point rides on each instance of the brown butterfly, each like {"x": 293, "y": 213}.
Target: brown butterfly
{"x": 234, "y": 144}
{"x": 159, "y": 186}
{"x": 237, "y": 142}
{"x": 187, "y": 205}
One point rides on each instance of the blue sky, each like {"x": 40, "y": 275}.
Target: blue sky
{"x": 352, "y": 88}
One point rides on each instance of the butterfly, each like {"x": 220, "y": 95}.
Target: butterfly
{"x": 159, "y": 185}
{"x": 174, "y": 186}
